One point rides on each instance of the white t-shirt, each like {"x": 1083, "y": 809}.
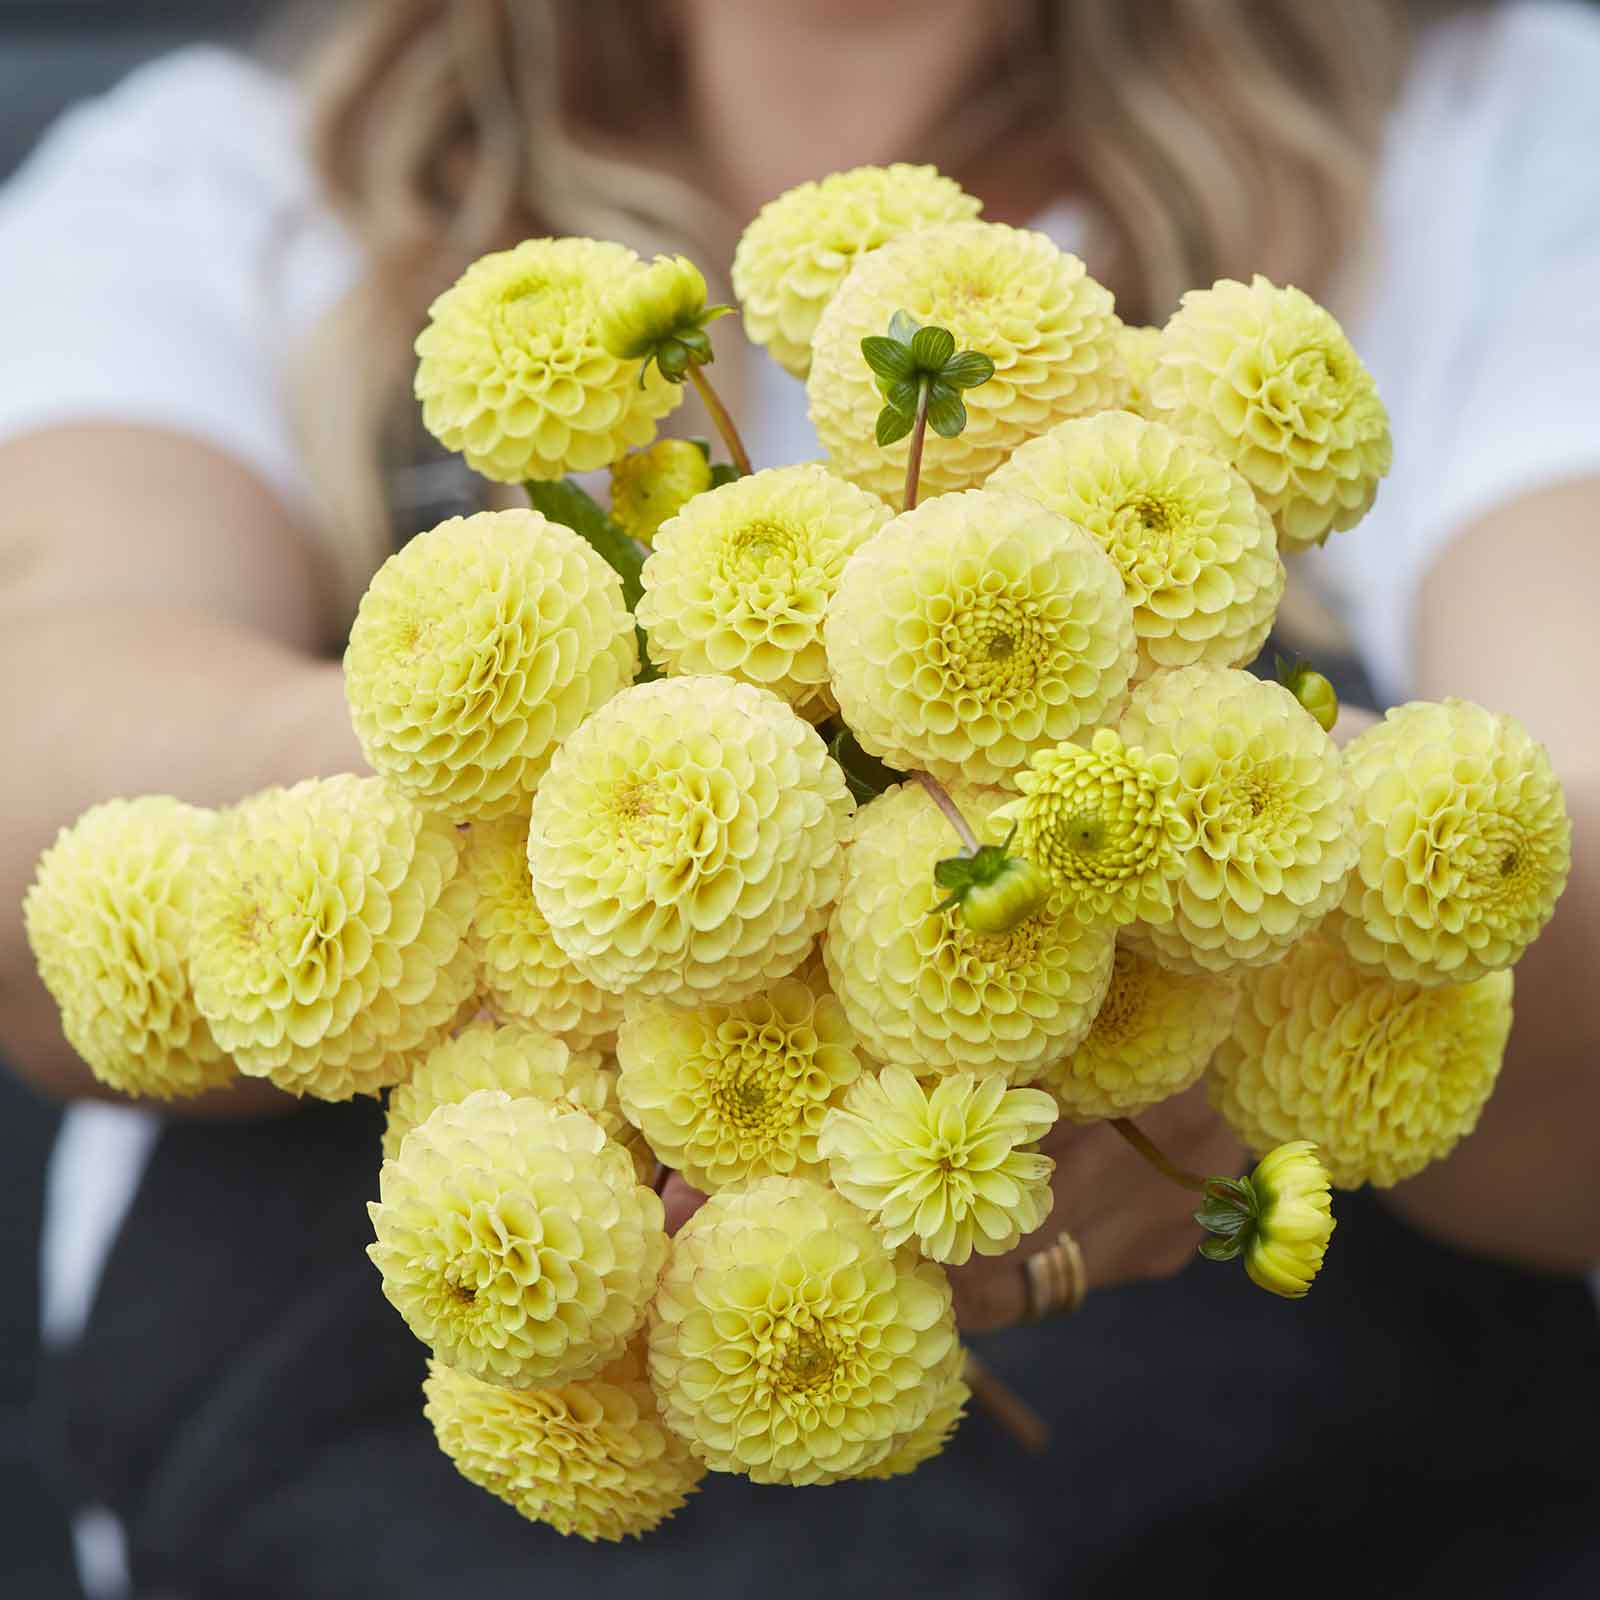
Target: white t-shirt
{"x": 165, "y": 249}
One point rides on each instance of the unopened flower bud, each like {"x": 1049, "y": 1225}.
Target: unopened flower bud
{"x": 659, "y": 314}
{"x": 652, "y": 485}
{"x": 1312, "y": 690}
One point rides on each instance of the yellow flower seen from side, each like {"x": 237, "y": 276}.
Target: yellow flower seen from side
{"x": 922, "y": 1443}
{"x": 1294, "y": 1222}
{"x": 651, "y": 485}
{"x": 649, "y": 305}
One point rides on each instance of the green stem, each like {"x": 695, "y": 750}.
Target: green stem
{"x": 919, "y": 432}
{"x": 1168, "y": 1169}
{"x": 719, "y": 415}
{"x": 941, "y": 798}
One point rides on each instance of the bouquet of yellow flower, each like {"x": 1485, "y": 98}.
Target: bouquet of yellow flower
{"x": 825, "y": 833}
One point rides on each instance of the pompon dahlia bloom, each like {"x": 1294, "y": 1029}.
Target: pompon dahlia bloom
{"x": 515, "y": 1240}
{"x": 789, "y": 1343}
{"x": 928, "y": 993}
{"x": 1048, "y": 327}
{"x": 1138, "y": 351}
{"x": 512, "y": 372}
{"x": 1383, "y": 1077}
{"x": 1197, "y": 554}
{"x": 109, "y": 919}
{"x": 589, "y": 1457}
{"x": 1266, "y": 378}
{"x": 951, "y": 1167}
{"x": 926, "y": 1441}
{"x": 686, "y": 842}
{"x": 974, "y": 630}
{"x": 1294, "y": 1223}
{"x": 799, "y": 248}
{"x": 476, "y": 650}
{"x": 725, "y": 1093}
{"x": 740, "y": 580}
{"x": 651, "y": 485}
{"x": 1152, "y": 1037}
{"x": 1267, "y": 809}
{"x": 1465, "y": 843}
{"x": 329, "y": 936}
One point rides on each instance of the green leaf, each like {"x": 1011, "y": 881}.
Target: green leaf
{"x": 893, "y": 425}
{"x": 1220, "y": 1249}
{"x": 903, "y": 326}
{"x": 931, "y": 348}
{"x": 573, "y": 507}
{"x": 888, "y": 358}
{"x": 866, "y": 775}
{"x": 946, "y": 414}
{"x": 724, "y": 472}
{"x": 903, "y": 395}
{"x": 967, "y": 370}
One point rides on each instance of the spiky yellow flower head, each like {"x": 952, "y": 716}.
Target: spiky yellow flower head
{"x": 741, "y": 579}
{"x": 1197, "y": 554}
{"x": 1138, "y": 350}
{"x": 1382, "y": 1076}
{"x": 975, "y": 630}
{"x": 951, "y": 1166}
{"x": 725, "y": 1093}
{"x": 1267, "y": 379}
{"x": 686, "y": 842}
{"x": 928, "y": 992}
{"x": 477, "y": 649}
{"x": 329, "y": 936}
{"x": 796, "y": 253}
{"x": 1151, "y": 1039}
{"x": 1267, "y": 808}
{"x": 589, "y": 1457}
{"x": 1294, "y": 1220}
{"x": 651, "y": 485}
{"x": 108, "y": 918}
{"x": 1008, "y": 294}
{"x": 789, "y": 1343}
{"x": 927, "y": 1440}
{"x": 515, "y": 1240}
{"x": 513, "y": 373}
{"x": 1465, "y": 843}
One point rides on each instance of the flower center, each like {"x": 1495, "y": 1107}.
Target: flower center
{"x": 991, "y": 645}
{"x": 1124, "y": 999}
{"x": 761, "y": 549}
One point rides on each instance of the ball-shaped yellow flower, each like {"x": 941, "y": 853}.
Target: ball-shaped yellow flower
{"x": 1196, "y": 552}
{"x": 1011, "y": 295}
{"x": 1290, "y": 1238}
{"x": 741, "y": 579}
{"x": 799, "y": 248}
{"x": 788, "y": 1342}
{"x": 1266, "y": 378}
{"x": 512, "y": 372}
{"x": 329, "y": 936}
{"x": 1138, "y": 351}
{"x": 974, "y": 630}
{"x": 1382, "y": 1076}
{"x": 476, "y": 650}
{"x": 108, "y": 918}
{"x": 922, "y": 1443}
{"x": 927, "y": 992}
{"x": 651, "y": 485}
{"x": 1465, "y": 843}
{"x": 686, "y": 842}
{"x": 1267, "y": 809}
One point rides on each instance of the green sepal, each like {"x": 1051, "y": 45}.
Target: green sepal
{"x": 967, "y": 370}
{"x": 889, "y": 359}
{"x": 947, "y": 416}
{"x": 893, "y": 425}
{"x": 903, "y": 327}
{"x": 724, "y": 472}
{"x": 954, "y": 872}
{"x": 1221, "y": 1249}
{"x": 1222, "y": 1220}
{"x": 931, "y": 348}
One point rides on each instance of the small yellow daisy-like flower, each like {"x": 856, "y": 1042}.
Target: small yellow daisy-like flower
{"x": 975, "y": 630}
{"x": 952, "y": 1166}
{"x": 922, "y": 1443}
{"x": 588, "y": 1457}
{"x": 1011, "y": 295}
{"x": 329, "y": 936}
{"x": 109, "y": 919}
{"x": 515, "y": 1240}
{"x": 1294, "y": 1221}
{"x": 1267, "y": 810}
{"x": 725, "y": 1093}
{"x": 1196, "y": 552}
{"x": 687, "y": 841}
{"x": 798, "y": 250}
{"x": 477, "y": 649}
{"x": 1465, "y": 843}
{"x": 928, "y": 992}
{"x": 650, "y": 304}
{"x": 513, "y": 373}
{"x": 1138, "y": 351}
{"x": 651, "y": 485}
{"x": 789, "y": 1343}
{"x": 741, "y": 579}
{"x": 1382, "y": 1076}
{"x": 1266, "y": 378}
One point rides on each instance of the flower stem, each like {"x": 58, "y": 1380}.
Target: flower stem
{"x": 941, "y": 798}
{"x": 719, "y": 415}
{"x": 919, "y": 431}
{"x": 1007, "y": 1407}
{"x": 1168, "y": 1169}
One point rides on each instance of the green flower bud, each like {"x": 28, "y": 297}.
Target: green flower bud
{"x": 651, "y": 485}
{"x": 1015, "y": 894}
{"x": 1311, "y": 689}
{"x": 659, "y": 313}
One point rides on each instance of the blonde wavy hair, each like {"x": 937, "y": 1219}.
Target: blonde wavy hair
{"x": 1204, "y": 138}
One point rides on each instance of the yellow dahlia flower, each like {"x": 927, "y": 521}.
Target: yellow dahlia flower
{"x": 929, "y": 993}
{"x": 651, "y": 485}
{"x": 109, "y": 919}
{"x": 789, "y": 1343}
{"x": 328, "y": 936}
{"x": 1197, "y": 554}
{"x": 799, "y": 248}
{"x": 741, "y": 579}
{"x": 975, "y": 630}
{"x": 1266, "y": 378}
{"x": 1267, "y": 809}
{"x": 922, "y": 1443}
{"x": 1138, "y": 351}
{"x": 1383, "y": 1077}
{"x": 952, "y": 1166}
{"x": 477, "y": 649}
{"x": 1465, "y": 844}
{"x": 589, "y": 1457}
{"x": 650, "y": 304}
{"x": 515, "y": 1240}
{"x": 686, "y": 843}
{"x": 513, "y": 373}
{"x": 1294, "y": 1221}
{"x": 1011, "y": 295}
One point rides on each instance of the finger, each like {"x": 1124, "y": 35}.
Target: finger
{"x": 681, "y": 1202}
